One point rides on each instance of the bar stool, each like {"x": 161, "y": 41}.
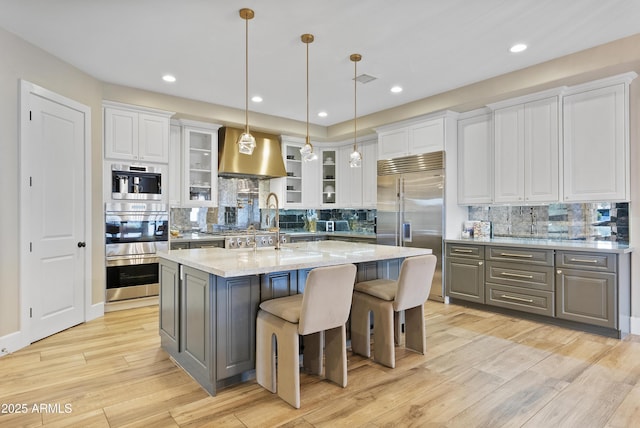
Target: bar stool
{"x": 322, "y": 310}
{"x": 386, "y": 299}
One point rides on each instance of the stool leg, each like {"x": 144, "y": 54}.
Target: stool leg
{"x": 383, "y": 340}
{"x": 360, "y": 329}
{"x": 312, "y": 353}
{"x": 397, "y": 327}
{"x": 265, "y": 353}
{"x": 414, "y": 333}
{"x": 336, "y": 355}
{"x": 289, "y": 365}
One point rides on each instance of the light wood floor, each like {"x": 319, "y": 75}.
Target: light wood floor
{"x": 481, "y": 369}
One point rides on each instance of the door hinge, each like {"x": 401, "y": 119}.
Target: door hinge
{"x": 30, "y": 181}
{"x": 30, "y": 312}
{"x": 31, "y": 247}
{"x": 29, "y": 114}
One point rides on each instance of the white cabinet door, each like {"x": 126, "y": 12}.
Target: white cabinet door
{"x": 136, "y": 134}
{"x": 426, "y": 137}
{"x": 526, "y": 152}
{"x": 153, "y": 138}
{"x": 508, "y": 125}
{"x": 541, "y": 151}
{"x": 475, "y": 160}
{"x": 349, "y": 180}
{"x": 393, "y": 144}
{"x": 120, "y": 134}
{"x": 369, "y": 152}
{"x": 174, "y": 180}
{"x": 596, "y": 153}
{"x": 200, "y": 166}
{"x": 302, "y": 188}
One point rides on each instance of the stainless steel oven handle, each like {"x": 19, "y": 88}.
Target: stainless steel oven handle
{"x": 131, "y": 260}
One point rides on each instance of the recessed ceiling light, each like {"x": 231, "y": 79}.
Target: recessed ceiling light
{"x": 396, "y": 89}
{"x": 169, "y": 78}
{"x": 256, "y": 99}
{"x": 322, "y": 114}
{"x": 518, "y": 48}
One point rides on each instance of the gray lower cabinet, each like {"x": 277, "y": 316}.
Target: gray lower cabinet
{"x": 207, "y": 323}
{"x": 587, "y": 289}
{"x": 237, "y": 301}
{"x": 279, "y": 284}
{"x": 169, "y": 280}
{"x": 520, "y": 279}
{"x": 464, "y": 274}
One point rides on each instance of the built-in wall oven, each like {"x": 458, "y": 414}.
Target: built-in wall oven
{"x": 135, "y": 232}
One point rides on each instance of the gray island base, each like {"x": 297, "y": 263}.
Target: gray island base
{"x": 209, "y": 298}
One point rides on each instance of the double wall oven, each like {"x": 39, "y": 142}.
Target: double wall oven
{"x": 135, "y": 232}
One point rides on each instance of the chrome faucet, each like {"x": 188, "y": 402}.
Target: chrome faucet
{"x": 276, "y": 227}
{"x": 255, "y": 241}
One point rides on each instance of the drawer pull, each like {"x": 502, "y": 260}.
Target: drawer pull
{"x": 456, "y": 250}
{"x": 519, "y": 299}
{"x": 583, "y": 260}
{"x": 516, "y": 275}
{"x": 524, "y": 256}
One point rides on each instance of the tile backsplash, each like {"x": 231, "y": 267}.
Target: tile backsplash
{"x": 590, "y": 222}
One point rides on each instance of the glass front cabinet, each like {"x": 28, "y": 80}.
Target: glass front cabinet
{"x": 328, "y": 158}
{"x": 300, "y": 189}
{"x": 200, "y": 166}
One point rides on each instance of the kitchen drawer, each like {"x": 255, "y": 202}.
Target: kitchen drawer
{"x": 521, "y": 255}
{"x": 520, "y": 299}
{"x": 466, "y": 251}
{"x": 520, "y": 275}
{"x": 590, "y": 261}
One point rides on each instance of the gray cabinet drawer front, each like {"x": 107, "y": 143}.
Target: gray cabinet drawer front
{"x": 520, "y": 299}
{"x": 521, "y": 255}
{"x": 466, "y": 251}
{"x": 521, "y": 275}
{"x": 591, "y": 261}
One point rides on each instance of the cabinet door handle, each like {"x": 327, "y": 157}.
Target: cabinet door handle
{"x": 583, "y": 260}
{"x": 524, "y": 256}
{"x": 516, "y": 275}
{"x": 558, "y": 271}
{"x": 519, "y": 299}
{"x": 479, "y": 263}
{"x": 456, "y": 250}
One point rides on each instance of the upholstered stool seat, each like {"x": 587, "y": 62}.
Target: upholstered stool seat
{"x": 319, "y": 314}
{"x": 386, "y": 299}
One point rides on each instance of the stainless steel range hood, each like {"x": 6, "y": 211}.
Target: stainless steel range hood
{"x": 265, "y": 162}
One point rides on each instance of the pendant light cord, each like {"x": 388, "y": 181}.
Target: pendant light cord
{"x": 355, "y": 104}
{"x": 308, "y": 139}
{"x": 246, "y": 76}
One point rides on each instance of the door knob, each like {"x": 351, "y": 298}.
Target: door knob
{"x": 82, "y": 244}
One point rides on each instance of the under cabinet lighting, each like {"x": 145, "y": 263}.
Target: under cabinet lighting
{"x": 169, "y": 78}
{"x": 518, "y": 48}
{"x": 396, "y": 89}
{"x": 322, "y": 114}
{"x": 256, "y": 99}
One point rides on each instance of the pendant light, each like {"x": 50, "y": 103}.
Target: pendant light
{"x": 307, "y": 152}
{"x": 355, "y": 159}
{"x": 246, "y": 142}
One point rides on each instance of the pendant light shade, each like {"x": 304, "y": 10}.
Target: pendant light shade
{"x": 307, "y": 152}
{"x": 355, "y": 159}
{"x": 246, "y": 142}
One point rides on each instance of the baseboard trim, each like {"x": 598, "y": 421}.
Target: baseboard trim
{"x": 95, "y": 311}
{"x": 11, "y": 343}
{"x": 635, "y": 325}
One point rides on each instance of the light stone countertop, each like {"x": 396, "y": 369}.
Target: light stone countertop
{"x": 241, "y": 262}
{"x": 550, "y": 244}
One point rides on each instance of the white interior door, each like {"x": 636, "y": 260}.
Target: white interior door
{"x": 53, "y": 214}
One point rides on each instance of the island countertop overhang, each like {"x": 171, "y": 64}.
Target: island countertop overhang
{"x": 230, "y": 263}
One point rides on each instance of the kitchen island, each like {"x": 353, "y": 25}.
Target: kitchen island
{"x": 209, "y": 298}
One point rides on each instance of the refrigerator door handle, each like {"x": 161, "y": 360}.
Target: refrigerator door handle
{"x": 406, "y": 232}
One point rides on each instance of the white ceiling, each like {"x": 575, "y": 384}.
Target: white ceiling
{"x": 426, "y": 46}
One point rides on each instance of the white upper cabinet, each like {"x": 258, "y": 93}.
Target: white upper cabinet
{"x": 423, "y": 135}
{"x": 349, "y": 183}
{"x": 369, "y": 150}
{"x": 596, "y": 141}
{"x": 526, "y": 152}
{"x": 199, "y": 164}
{"x": 174, "y": 178}
{"x": 136, "y": 133}
{"x": 300, "y": 189}
{"x": 475, "y": 159}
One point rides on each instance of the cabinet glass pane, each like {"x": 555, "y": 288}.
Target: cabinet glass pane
{"x": 200, "y": 166}
{"x": 329, "y": 177}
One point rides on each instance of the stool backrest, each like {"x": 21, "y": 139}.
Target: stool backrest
{"x": 414, "y": 282}
{"x": 326, "y": 300}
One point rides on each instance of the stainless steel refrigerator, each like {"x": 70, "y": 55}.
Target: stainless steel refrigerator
{"x": 410, "y": 206}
